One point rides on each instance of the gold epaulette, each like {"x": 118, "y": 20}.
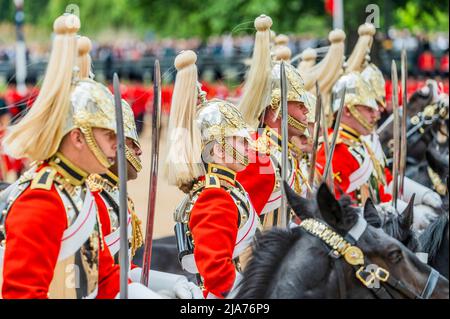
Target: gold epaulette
{"x": 347, "y": 141}
{"x": 44, "y": 179}
{"x": 212, "y": 181}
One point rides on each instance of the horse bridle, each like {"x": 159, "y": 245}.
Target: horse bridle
{"x": 369, "y": 275}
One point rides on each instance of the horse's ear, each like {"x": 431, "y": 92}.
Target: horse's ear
{"x": 301, "y": 206}
{"x": 328, "y": 205}
{"x": 407, "y": 216}
{"x": 371, "y": 214}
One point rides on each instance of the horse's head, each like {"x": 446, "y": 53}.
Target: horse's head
{"x": 380, "y": 251}
{"x": 395, "y": 225}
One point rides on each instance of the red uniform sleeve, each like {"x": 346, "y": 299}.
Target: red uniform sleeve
{"x": 258, "y": 180}
{"x": 344, "y": 164}
{"x": 214, "y": 226}
{"x": 34, "y": 228}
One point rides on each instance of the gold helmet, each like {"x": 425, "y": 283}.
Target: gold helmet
{"x": 358, "y": 92}
{"x": 84, "y": 64}
{"x": 217, "y": 120}
{"x": 375, "y": 78}
{"x": 195, "y": 125}
{"x": 295, "y": 93}
{"x": 65, "y": 101}
{"x": 130, "y": 131}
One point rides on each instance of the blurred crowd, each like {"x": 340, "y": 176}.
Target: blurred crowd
{"x": 428, "y": 55}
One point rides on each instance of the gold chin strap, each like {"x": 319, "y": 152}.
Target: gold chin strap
{"x": 355, "y": 113}
{"x": 133, "y": 160}
{"x": 93, "y": 146}
{"x": 230, "y": 150}
{"x": 295, "y": 123}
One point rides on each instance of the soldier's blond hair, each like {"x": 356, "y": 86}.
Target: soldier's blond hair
{"x": 183, "y": 161}
{"x": 362, "y": 48}
{"x": 327, "y": 71}
{"x": 256, "y": 94}
{"x": 308, "y": 59}
{"x": 84, "y": 60}
{"x": 38, "y": 134}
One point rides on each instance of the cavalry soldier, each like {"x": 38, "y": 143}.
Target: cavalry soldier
{"x": 356, "y": 169}
{"x": 53, "y": 242}
{"x": 359, "y": 166}
{"x": 208, "y": 144}
{"x": 359, "y": 61}
{"x": 107, "y": 186}
{"x": 260, "y": 106}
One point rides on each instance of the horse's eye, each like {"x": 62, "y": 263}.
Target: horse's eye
{"x": 395, "y": 256}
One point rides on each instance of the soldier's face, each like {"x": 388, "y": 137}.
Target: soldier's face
{"x": 230, "y": 161}
{"x": 107, "y": 142}
{"x": 370, "y": 115}
{"x": 299, "y": 111}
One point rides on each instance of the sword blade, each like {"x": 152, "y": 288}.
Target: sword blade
{"x": 326, "y": 143}
{"x": 156, "y": 116}
{"x": 403, "y": 141}
{"x": 284, "y": 144}
{"x": 312, "y": 169}
{"x": 396, "y": 155}
{"x": 337, "y": 124}
{"x": 123, "y": 203}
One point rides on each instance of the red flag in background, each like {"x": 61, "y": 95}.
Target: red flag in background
{"x": 329, "y": 7}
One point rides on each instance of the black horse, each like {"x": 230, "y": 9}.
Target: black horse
{"x": 296, "y": 263}
{"x": 427, "y": 129}
{"x": 434, "y": 241}
{"x": 430, "y": 153}
{"x": 398, "y": 226}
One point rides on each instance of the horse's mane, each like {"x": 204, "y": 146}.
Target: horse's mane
{"x": 431, "y": 238}
{"x": 269, "y": 249}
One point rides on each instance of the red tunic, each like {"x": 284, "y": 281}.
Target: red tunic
{"x": 34, "y": 227}
{"x": 344, "y": 164}
{"x": 214, "y": 226}
{"x": 258, "y": 179}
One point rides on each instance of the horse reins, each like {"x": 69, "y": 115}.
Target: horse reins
{"x": 353, "y": 255}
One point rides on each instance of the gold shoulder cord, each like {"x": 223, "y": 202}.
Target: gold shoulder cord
{"x": 438, "y": 185}
{"x": 137, "y": 239}
{"x": 376, "y": 164}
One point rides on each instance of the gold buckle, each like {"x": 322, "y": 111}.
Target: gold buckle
{"x": 382, "y": 274}
{"x": 366, "y": 281}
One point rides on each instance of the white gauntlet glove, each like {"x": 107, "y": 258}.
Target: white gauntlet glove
{"x": 139, "y": 291}
{"x": 424, "y": 195}
{"x": 169, "y": 285}
{"x": 187, "y": 290}
{"x": 432, "y": 199}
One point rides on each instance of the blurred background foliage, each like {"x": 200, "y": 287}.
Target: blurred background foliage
{"x": 204, "y": 18}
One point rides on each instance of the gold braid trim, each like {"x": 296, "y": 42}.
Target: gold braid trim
{"x": 438, "y": 185}
{"x": 133, "y": 160}
{"x": 354, "y": 112}
{"x": 376, "y": 164}
{"x": 230, "y": 150}
{"x": 295, "y": 123}
{"x": 137, "y": 237}
{"x": 93, "y": 146}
